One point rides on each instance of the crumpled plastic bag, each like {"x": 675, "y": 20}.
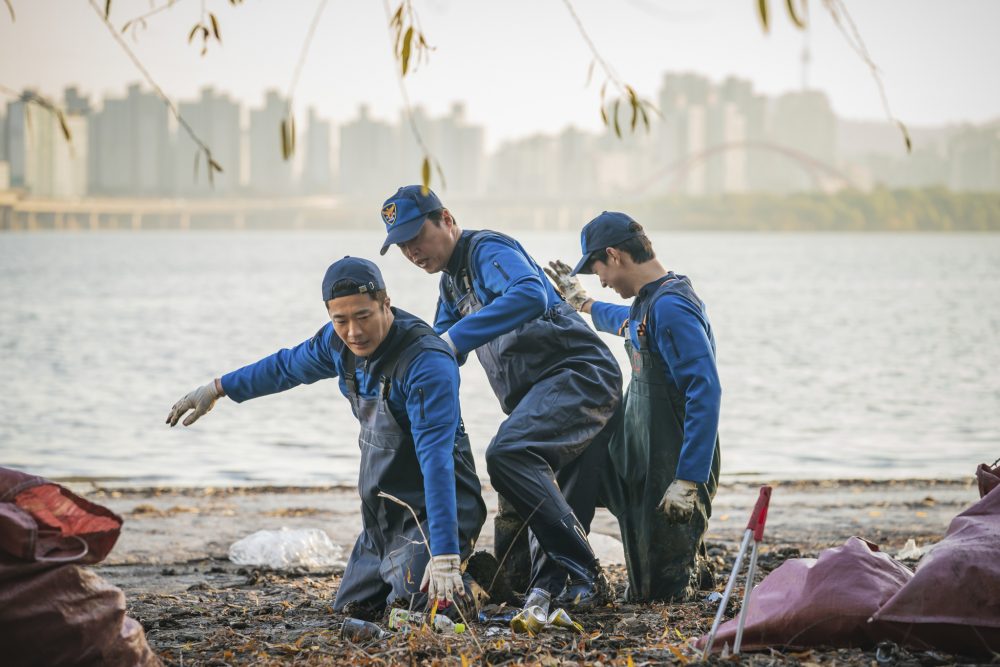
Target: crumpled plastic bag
{"x": 911, "y": 551}
{"x": 287, "y": 548}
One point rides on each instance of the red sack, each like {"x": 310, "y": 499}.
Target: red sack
{"x": 44, "y": 522}
{"x": 819, "y": 601}
{"x": 52, "y": 612}
{"x": 953, "y": 601}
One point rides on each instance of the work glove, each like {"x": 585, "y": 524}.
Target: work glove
{"x": 569, "y": 286}
{"x": 679, "y": 500}
{"x": 443, "y": 578}
{"x": 200, "y": 400}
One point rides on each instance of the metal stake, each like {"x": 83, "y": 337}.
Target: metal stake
{"x": 754, "y": 530}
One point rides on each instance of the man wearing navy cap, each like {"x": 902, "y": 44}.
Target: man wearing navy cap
{"x": 402, "y": 382}
{"x": 554, "y": 377}
{"x": 665, "y": 461}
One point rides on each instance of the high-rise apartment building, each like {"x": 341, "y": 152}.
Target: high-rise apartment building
{"x": 369, "y": 156}
{"x": 270, "y": 173}
{"x": 215, "y": 119}
{"x": 317, "y": 172}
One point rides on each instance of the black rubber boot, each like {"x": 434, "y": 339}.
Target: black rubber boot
{"x": 585, "y": 593}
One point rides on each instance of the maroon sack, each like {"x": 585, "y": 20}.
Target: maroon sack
{"x": 819, "y": 601}
{"x": 988, "y": 477}
{"x": 953, "y": 601}
{"x": 52, "y": 611}
{"x": 44, "y": 522}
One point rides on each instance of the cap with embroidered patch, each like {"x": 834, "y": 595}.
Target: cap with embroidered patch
{"x": 363, "y": 275}
{"x": 606, "y": 230}
{"x": 403, "y": 214}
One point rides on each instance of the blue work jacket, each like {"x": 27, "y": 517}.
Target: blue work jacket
{"x": 424, "y": 400}
{"x": 511, "y": 286}
{"x": 680, "y": 335}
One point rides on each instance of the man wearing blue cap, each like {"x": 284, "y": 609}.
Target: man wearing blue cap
{"x": 554, "y": 377}
{"x": 402, "y": 382}
{"x": 665, "y": 460}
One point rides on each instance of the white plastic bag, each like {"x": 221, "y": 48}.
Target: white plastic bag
{"x": 287, "y": 548}
{"x": 911, "y": 551}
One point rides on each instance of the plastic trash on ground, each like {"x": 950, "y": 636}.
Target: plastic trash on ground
{"x": 533, "y": 618}
{"x": 358, "y": 631}
{"x": 403, "y": 620}
{"x": 287, "y": 548}
{"x": 560, "y": 619}
{"x": 911, "y": 551}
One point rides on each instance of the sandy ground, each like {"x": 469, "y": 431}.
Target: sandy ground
{"x": 198, "y": 608}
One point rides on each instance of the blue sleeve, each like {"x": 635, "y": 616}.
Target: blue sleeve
{"x": 515, "y": 295}
{"x": 431, "y": 390}
{"x": 444, "y": 319}
{"x": 445, "y": 316}
{"x": 683, "y": 341}
{"x": 610, "y": 317}
{"x": 314, "y": 359}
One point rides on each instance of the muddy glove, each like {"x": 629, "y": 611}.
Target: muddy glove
{"x": 678, "y": 502}
{"x": 569, "y": 286}
{"x": 200, "y": 400}
{"x": 443, "y": 578}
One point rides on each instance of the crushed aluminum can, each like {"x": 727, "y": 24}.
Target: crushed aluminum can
{"x": 560, "y": 619}
{"x": 531, "y": 620}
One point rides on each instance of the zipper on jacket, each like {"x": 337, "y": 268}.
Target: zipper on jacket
{"x": 673, "y": 343}
{"x": 420, "y": 391}
{"x": 500, "y": 269}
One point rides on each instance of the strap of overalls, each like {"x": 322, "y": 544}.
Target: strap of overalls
{"x": 389, "y": 363}
{"x": 668, "y": 286}
{"x": 460, "y": 284}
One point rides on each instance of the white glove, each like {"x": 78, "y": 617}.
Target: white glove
{"x": 679, "y": 500}
{"x": 200, "y": 400}
{"x": 569, "y": 286}
{"x": 443, "y": 578}
{"x": 446, "y": 338}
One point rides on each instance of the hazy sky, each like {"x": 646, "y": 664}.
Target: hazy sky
{"x": 520, "y": 65}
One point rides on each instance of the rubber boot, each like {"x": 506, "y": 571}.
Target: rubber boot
{"x": 510, "y": 540}
{"x": 567, "y": 544}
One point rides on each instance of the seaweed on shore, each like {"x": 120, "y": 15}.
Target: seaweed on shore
{"x": 238, "y": 616}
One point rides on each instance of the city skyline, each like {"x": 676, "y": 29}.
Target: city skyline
{"x": 708, "y": 138}
{"x": 519, "y": 76}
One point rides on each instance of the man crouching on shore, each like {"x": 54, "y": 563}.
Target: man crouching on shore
{"x": 402, "y": 382}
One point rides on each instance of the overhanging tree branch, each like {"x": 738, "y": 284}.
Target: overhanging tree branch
{"x": 640, "y": 107}
{"x": 288, "y": 123}
{"x": 401, "y": 50}
{"x": 213, "y": 166}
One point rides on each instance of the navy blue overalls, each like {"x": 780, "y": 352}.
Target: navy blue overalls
{"x": 661, "y": 556}
{"x": 560, "y": 387}
{"x": 389, "y": 556}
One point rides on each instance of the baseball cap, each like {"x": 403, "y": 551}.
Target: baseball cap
{"x": 403, "y": 214}
{"x": 364, "y": 276}
{"x": 608, "y": 229}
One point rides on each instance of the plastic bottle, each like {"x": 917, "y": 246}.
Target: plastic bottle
{"x": 405, "y": 620}
{"x": 533, "y": 617}
{"x": 357, "y": 631}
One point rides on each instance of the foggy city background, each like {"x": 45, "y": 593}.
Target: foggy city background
{"x": 828, "y": 343}
{"x": 724, "y": 151}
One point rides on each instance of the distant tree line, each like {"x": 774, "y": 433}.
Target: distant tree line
{"x": 882, "y": 209}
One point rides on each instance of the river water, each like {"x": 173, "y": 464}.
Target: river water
{"x": 841, "y": 355}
